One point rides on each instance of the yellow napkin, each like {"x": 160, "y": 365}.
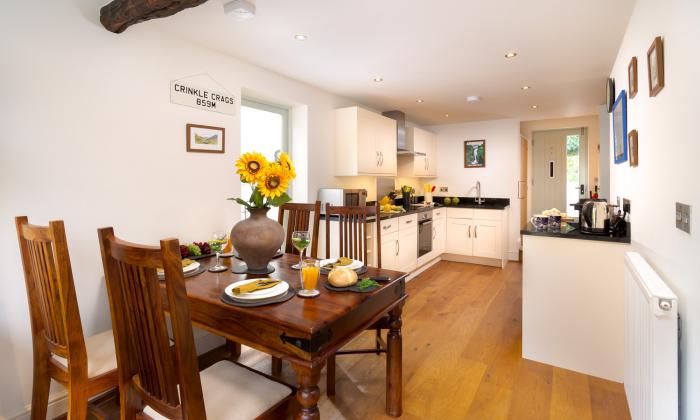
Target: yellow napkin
{"x": 342, "y": 261}
{"x": 255, "y": 285}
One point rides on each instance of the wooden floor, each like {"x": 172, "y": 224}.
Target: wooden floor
{"x": 461, "y": 358}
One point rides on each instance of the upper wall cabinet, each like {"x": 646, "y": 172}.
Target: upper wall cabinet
{"x": 424, "y": 163}
{"x": 365, "y": 143}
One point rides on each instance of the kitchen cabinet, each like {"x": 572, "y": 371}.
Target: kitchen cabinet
{"x": 365, "y": 143}
{"x": 424, "y": 163}
{"x": 438, "y": 232}
{"x": 408, "y": 242}
{"x": 476, "y": 233}
{"x": 390, "y": 251}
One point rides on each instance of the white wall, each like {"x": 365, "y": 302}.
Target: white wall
{"x": 668, "y": 165}
{"x": 499, "y": 179}
{"x": 89, "y": 136}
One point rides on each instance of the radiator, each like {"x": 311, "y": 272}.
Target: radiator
{"x": 651, "y": 343}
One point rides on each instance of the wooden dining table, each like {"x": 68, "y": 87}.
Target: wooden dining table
{"x": 304, "y": 331}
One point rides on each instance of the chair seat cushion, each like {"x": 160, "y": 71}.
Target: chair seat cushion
{"x": 234, "y": 392}
{"x": 100, "y": 353}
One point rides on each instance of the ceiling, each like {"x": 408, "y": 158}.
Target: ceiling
{"x": 437, "y": 51}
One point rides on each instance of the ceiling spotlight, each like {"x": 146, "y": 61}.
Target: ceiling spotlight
{"x": 378, "y": 79}
{"x": 534, "y": 107}
{"x": 301, "y": 37}
{"x": 447, "y": 115}
{"x": 240, "y": 9}
{"x": 511, "y": 54}
{"x": 420, "y": 101}
{"x": 473, "y": 98}
{"x": 526, "y": 87}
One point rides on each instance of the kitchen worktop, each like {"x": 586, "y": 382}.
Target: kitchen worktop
{"x": 571, "y": 231}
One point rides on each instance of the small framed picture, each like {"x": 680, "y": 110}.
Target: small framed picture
{"x": 619, "y": 117}
{"x": 475, "y": 154}
{"x": 205, "y": 139}
{"x": 634, "y": 148}
{"x": 632, "y": 77}
{"x": 655, "y": 66}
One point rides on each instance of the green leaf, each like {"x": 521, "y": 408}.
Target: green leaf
{"x": 278, "y": 201}
{"x": 257, "y": 198}
{"x": 242, "y": 202}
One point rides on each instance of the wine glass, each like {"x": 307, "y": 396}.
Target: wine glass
{"x": 301, "y": 239}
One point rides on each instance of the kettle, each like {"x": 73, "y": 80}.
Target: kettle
{"x": 594, "y": 217}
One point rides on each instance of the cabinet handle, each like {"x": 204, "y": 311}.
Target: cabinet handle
{"x": 398, "y": 247}
{"x": 475, "y": 232}
{"x": 409, "y": 221}
{"x": 434, "y": 233}
{"x": 381, "y": 158}
{"x": 385, "y": 227}
{"x": 470, "y": 231}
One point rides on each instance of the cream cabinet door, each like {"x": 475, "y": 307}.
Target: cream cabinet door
{"x": 458, "y": 236}
{"x": 367, "y": 151}
{"x": 408, "y": 248}
{"x": 390, "y": 251}
{"x": 431, "y": 155}
{"x": 487, "y": 239}
{"x": 438, "y": 236}
{"x": 386, "y": 144}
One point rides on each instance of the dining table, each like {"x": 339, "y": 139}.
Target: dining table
{"x": 304, "y": 331}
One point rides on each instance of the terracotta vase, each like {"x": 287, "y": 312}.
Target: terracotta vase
{"x": 257, "y": 239}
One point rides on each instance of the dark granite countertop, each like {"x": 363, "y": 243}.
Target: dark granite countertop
{"x": 571, "y": 231}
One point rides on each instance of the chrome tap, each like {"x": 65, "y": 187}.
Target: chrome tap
{"x": 478, "y": 199}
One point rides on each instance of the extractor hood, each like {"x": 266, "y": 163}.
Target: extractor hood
{"x": 403, "y": 146}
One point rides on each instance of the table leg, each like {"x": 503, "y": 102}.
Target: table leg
{"x": 234, "y": 350}
{"x": 276, "y": 366}
{"x": 394, "y": 387}
{"x": 307, "y": 392}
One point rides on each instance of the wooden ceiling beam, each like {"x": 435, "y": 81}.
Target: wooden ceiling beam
{"x": 120, "y": 14}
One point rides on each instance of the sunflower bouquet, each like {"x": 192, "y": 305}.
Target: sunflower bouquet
{"x": 269, "y": 180}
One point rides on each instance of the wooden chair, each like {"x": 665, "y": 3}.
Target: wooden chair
{"x": 298, "y": 217}
{"x": 353, "y": 243}
{"x": 86, "y": 367}
{"x": 165, "y": 382}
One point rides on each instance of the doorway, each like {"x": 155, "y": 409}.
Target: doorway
{"x": 560, "y": 169}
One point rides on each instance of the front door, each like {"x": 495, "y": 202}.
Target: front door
{"x": 560, "y": 162}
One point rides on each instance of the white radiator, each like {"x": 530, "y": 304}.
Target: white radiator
{"x": 651, "y": 343}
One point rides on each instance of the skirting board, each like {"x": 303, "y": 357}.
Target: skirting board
{"x": 58, "y": 401}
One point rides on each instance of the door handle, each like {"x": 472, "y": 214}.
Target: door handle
{"x": 582, "y": 188}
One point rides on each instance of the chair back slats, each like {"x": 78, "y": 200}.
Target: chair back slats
{"x": 298, "y": 217}
{"x": 147, "y": 364}
{"x": 51, "y": 295}
{"x": 353, "y": 233}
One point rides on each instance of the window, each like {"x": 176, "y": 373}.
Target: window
{"x": 264, "y": 129}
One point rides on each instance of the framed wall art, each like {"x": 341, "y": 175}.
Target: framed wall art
{"x": 475, "y": 154}
{"x": 205, "y": 139}
{"x": 619, "y": 116}
{"x": 634, "y": 148}
{"x": 632, "y": 77}
{"x": 655, "y": 66}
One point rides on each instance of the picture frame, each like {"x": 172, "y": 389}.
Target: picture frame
{"x": 633, "y": 140}
{"x": 632, "y": 77}
{"x": 205, "y": 139}
{"x": 475, "y": 154}
{"x": 619, "y": 117}
{"x": 655, "y": 66}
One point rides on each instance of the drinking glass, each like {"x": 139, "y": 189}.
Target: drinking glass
{"x": 309, "y": 273}
{"x": 301, "y": 239}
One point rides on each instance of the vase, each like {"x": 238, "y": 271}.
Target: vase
{"x": 257, "y": 239}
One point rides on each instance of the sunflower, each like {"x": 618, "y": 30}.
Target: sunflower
{"x": 250, "y": 165}
{"x": 286, "y": 163}
{"x": 273, "y": 181}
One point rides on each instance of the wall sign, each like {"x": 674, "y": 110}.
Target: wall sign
{"x": 184, "y": 93}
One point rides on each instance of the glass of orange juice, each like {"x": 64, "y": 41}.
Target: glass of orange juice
{"x": 310, "y": 270}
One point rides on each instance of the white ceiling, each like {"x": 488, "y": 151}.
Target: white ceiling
{"x": 438, "y": 51}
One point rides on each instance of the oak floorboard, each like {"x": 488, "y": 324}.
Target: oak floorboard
{"x": 462, "y": 346}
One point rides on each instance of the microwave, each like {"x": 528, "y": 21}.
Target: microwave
{"x": 341, "y": 197}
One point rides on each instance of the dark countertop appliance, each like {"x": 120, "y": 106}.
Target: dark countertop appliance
{"x": 594, "y": 217}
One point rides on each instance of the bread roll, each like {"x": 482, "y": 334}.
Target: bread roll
{"x": 342, "y": 277}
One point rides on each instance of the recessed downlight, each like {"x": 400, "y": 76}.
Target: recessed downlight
{"x": 473, "y": 98}
{"x": 420, "y": 101}
{"x": 447, "y": 115}
{"x": 534, "y": 107}
{"x": 511, "y": 54}
{"x": 526, "y": 87}
{"x": 378, "y": 80}
{"x": 301, "y": 37}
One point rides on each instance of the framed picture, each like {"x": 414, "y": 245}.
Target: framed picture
{"x": 655, "y": 66}
{"x": 633, "y": 139}
{"x": 205, "y": 139}
{"x": 610, "y": 93}
{"x": 619, "y": 115}
{"x": 632, "y": 77}
{"x": 475, "y": 153}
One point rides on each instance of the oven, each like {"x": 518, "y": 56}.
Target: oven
{"x": 425, "y": 233}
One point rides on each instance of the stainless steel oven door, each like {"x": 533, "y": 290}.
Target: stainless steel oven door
{"x": 425, "y": 237}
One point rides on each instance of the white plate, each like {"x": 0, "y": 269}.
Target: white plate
{"x": 195, "y": 265}
{"x": 354, "y": 265}
{"x": 258, "y": 294}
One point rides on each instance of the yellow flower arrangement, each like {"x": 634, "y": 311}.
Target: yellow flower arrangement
{"x": 269, "y": 180}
